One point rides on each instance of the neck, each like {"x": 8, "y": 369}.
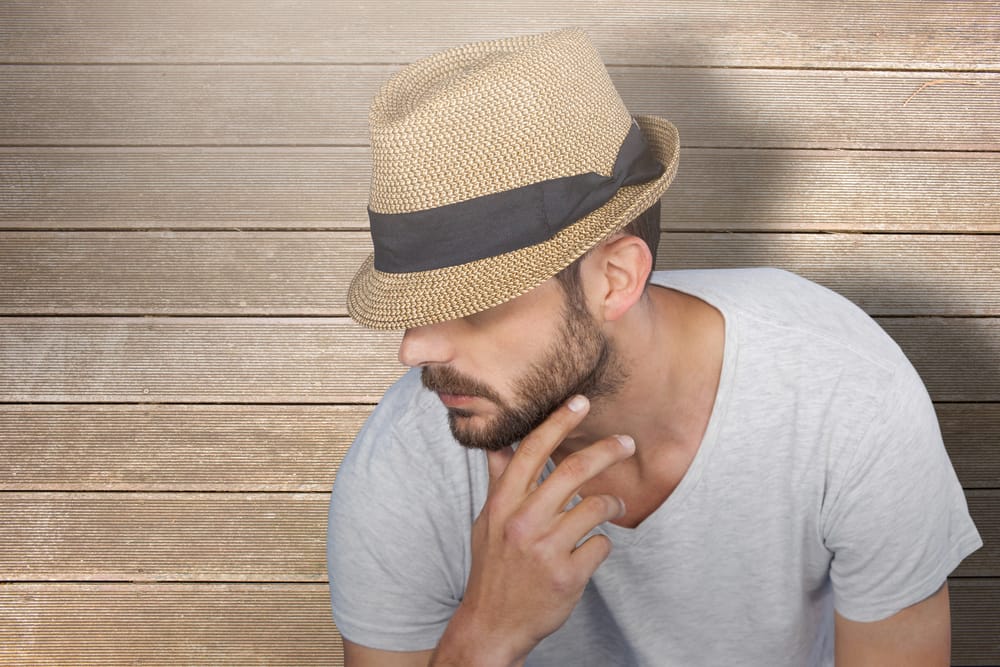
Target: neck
{"x": 671, "y": 345}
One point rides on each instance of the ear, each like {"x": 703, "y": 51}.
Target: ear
{"x": 619, "y": 270}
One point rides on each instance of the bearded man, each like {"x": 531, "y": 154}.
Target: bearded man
{"x": 730, "y": 467}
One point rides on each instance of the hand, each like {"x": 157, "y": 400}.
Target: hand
{"x": 527, "y": 570}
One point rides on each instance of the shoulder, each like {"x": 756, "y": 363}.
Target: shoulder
{"x": 770, "y": 294}
{"x": 788, "y": 308}
{"x": 406, "y": 433}
{"x": 398, "y": 522}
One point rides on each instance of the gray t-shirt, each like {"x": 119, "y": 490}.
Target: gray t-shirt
{"x": 821, "y": 483}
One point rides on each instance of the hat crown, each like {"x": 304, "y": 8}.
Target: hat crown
{"x": 490, "y": 117}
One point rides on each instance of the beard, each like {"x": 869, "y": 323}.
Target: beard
{"x": 581, "y": 360}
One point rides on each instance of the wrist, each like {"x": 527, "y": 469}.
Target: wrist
{"x": 467, "y": 642}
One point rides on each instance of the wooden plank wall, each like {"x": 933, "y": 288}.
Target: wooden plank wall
{"x": 182, "y": 197}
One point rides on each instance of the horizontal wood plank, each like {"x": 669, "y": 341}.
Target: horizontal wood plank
{"x": 175, "y": 447}
{"x": 185, "y": 188}
{"x": 885, "y": 274}
{"x": 278, "y": 448}
{"x": 167, "y": 624}
{"x": 924, "y": 35}
{"x": 229, "y": 536}
{"x": 213, "y": 360}
{"x": 716, "y": 189}
{"x": 972, "y": 435}
{"x": 275, "y": 624}
{"x": 958, "y": 359}
{"x": 295, "y": 105}
{"x": 332, "y": 360}
{"x": 163, "y": 536}
{"x": 308, "y": 273}
{"x": 196, "y": 273}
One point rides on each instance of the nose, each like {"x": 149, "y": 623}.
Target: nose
{"x": 422, "y": 346}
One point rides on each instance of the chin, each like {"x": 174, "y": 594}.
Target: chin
{"x": 469, "y": 425}
{"x": 472, "y": 436}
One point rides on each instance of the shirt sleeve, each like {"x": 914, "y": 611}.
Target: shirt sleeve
{"x": 397, "y": 537}
{"x": 898, "y": 522}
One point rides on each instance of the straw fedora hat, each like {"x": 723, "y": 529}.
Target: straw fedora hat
{"x": 494, "y": 166}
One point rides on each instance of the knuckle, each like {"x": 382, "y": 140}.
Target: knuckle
{"x": 517, "y": 531}
{"x": 585, "y": 463}
{"x": 575, "y": 466}
{"x": 564, "y": 581}
{"x": 615, "y": 506}
{"x": 493, "y": 507}
{"x": 531, "y": 447}
{"x": 598, "y": 549}
{"x": 604, "y": 546}
{"x": 494, "y": 511}
{"x": 602, "y": 506}
{"x": 553, "y": 428}
{"x": 591, "y": 505}
{"x": 612, "y": 448}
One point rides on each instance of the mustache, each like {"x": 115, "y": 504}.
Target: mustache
{"x": 446, "y": 380}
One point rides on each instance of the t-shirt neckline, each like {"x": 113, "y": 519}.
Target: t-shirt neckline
{"x": 673, "y": 505}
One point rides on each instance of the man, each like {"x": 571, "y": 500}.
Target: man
{"x": 709, "y": 468}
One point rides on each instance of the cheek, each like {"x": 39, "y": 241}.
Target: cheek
{"x": 512, "y": 365}
{"x": 505, "y": 344}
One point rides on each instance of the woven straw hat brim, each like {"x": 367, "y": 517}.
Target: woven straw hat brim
{"x": 380, "y": 300}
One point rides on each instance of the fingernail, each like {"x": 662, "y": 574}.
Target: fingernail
{"x": 627, "y": 442}
{"x": 577, "y": 403}
{"x": 622, "y": 503}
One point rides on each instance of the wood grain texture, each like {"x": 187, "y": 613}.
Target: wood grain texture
{"x": 885, "y": 274}
{"x": 167, "y": 624}
{"x": 175, "y": 447}
{"x": 163, "y": 536}
{"x": 173, "y": 407}
{"x": 229, "y": 536}
{"x": 308, "y": 273}
{"x": 274, "y": 624}
{"x": 219, "y": 187}
{"x": 958, "y": 359}
{"x": 975, "y": 621}
{"x": 202, "y": 360}
{"x": 984, "y": 507}
{"x": 327, "y": 188}
{"x": 972, "y": 435}
{"x": 331, "y": 360}
{"x": 197, "y": 273}
{"x": 280, "y": 447}
{"x": 327, "y": 105}
{"x": 922, "y": 35}
{"x": 820, "y": 190}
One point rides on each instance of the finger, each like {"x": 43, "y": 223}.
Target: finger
{"x": 589, "y": 555}
{"x": 558, "y": 489}
{"x": 535, "y": 449}
{"x": 588, "y": 513}
{"x": 497, "y": 462}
